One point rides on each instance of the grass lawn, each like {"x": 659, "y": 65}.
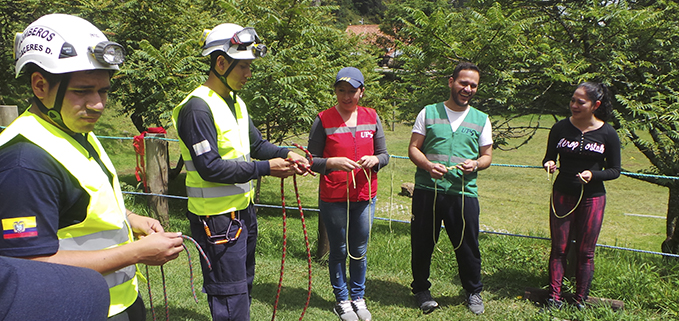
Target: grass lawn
{"x": 512, "y": 199}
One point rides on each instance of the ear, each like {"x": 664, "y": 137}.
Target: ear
{"x": 40, "y": 85}
{"x": 451, "y": 80}
{"x": 597, "y": 104}
{"x": 362, "y": 91}
{"x": 222, "y": 64}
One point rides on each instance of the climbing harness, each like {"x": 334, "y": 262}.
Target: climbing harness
{"x": 550, "y": 177}
{"x": 307, "y": 169}
{"x": 162, "y": 273}
{"x": 464, "y": 223}
{"x": 370, "y": 204}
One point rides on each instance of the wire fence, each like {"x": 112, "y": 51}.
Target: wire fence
{"x": 630, "y": 174}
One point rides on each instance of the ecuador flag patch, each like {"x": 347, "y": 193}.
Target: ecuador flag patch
{"x": 18, "y": 227}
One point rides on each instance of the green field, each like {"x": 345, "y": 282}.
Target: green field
{"x": 513, "y": 200}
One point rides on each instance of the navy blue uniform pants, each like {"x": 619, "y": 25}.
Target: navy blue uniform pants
{"x": 229, "y": 282}
{"x": 425, "y": 230}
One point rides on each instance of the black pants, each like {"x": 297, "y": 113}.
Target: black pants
{"x": 425, "y": 229}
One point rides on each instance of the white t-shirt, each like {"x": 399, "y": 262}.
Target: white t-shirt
{"x": 455, "y": 118}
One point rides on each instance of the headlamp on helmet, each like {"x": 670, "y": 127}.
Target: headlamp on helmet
{"x": 108, "y": 52}
{"x": 237, "y": 42}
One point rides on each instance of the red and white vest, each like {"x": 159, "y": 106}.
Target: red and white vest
{"x": 340, "y": 142}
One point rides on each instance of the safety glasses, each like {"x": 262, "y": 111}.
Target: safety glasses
{"x": 246, "y": 37}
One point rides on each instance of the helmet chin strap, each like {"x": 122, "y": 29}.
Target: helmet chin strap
{"x": 223, "y": 77}
{"x": 55, "y": 112}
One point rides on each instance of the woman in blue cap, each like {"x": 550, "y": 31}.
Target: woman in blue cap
{"x": 348, "y": 146}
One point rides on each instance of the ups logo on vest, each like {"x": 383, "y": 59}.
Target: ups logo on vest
{"x": 467, "y": 131}
{"x": 367, "y": 134}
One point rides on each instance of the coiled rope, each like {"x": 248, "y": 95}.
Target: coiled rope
{"x": 550, "y": 177}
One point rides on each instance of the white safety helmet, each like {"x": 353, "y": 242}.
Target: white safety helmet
{"x": 237, "y": 42}
{"x": 60, "y": 43}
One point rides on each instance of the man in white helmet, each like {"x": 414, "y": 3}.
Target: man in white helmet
{"x": 60, "y": 199}
{"x": 218, "y": 140}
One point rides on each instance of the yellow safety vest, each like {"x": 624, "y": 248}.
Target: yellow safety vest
{"x": 233, "y": 139}
{"x": 105, "y": 225}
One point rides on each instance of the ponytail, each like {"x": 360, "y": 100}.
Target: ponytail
{"x": 599, "y": 92}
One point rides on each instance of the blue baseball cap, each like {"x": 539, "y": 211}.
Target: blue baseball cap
{"x": 351, "y": 75}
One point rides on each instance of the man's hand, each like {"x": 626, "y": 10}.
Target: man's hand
{"x": 159, "y": 248}
{"x": 301, "y": 164}
{"x": 437, "y": 170}
{"x": 142, "y": 225}
{"x": 281, "y": 168}
{"x": 468, "y": 166}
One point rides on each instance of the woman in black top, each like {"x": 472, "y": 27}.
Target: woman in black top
{"x": 589, "y": 153}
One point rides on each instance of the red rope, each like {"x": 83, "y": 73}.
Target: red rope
{"x": 307, "y": 168}
{"x": 306, "y": 240}
{"x": 285, "y": 243}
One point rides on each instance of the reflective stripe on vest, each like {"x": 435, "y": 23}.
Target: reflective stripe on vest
{"x": 442, "y": 145}
{"x": 105, "y": 225}
{"x": 233, "y": 139}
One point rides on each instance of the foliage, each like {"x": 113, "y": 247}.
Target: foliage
{"x": 532, "y": 55}
{"x": 14, "y": 17}
{"x": 292, "y": 84}
{"x": 154, "y": 81}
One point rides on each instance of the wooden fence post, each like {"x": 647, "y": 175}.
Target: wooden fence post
{"x": 157, "y": 176}
{"x": 8, "y": 113}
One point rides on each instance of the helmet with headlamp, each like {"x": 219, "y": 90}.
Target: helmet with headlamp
{"x": 234, "y": 41}
{"x": 237, "y": 42}
{"x": 60, "y": 43}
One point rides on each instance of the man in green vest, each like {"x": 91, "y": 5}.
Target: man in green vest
{"x": 218, "y": 140}
{"x": 451, "y": 141}
{"x": 60, "y": 199}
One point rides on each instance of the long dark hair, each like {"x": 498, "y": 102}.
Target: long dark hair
{"x": 598, "y": 91}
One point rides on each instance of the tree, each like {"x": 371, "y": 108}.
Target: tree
{"x": 292, "y": 84}
{"x": 532, "y": 55}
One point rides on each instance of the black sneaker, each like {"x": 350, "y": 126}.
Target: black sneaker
{"x": 427, "y": 303}
{"x": 345, "y": 311}
{"x": 475, "y": 303}
{"x": 554, "y": 304}
{"x": 579, "y": 305}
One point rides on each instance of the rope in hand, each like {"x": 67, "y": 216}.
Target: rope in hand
{"x": 162, "y": 272}
{"x": 550, "y": 177}
{"x": 346, "y": 232}
{"x": 307, "y": 169}
{"x": 464, "y": 223}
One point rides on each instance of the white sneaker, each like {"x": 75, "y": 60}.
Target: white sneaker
{"x": 345, "y": 311}
{"x": 361, "y": 310}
